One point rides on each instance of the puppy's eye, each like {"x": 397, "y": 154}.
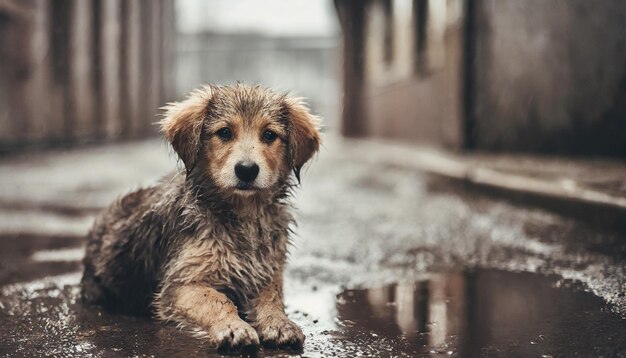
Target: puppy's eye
{"x": 269, "y": 136}
{"x": 224, "y": 133}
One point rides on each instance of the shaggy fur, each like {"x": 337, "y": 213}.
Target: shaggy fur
{"x": 201, "y": 248}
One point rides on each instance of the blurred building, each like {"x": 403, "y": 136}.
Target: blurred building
{"x": 76, "y": 71}
{"x": 544, "y": 76}
{"x": 290, "y": 46}
{"x": 306, "y": 66}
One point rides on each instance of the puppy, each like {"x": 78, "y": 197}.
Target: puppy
{"x": 208, "y": 245}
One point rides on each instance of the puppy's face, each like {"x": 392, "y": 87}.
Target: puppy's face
{"x": 250, "y": 139}
{"x": 247, "y": 152}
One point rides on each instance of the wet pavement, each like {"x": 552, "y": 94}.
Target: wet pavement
{"x": 388, "y": 262}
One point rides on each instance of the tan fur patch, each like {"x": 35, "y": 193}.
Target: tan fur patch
{"x": 218, "y": 154}
{"x": 270, "y": 300}
{"x": 203, "y": 304}
{"x": 270, "y": 320}
{"x": 214, "y": 312}
{"x": 273, "y": 158}
{"x": 305, "y": 137}
{"x": 182, "y": 124}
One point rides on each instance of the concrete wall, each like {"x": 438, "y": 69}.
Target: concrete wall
{"x": 416, "y": 96}
{"x": 550, "y": 76}
{"x": 409, "y": 59}
{"x": 75, "y": 71}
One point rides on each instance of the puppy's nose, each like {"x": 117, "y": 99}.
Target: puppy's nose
{"x": 246, "y": 171}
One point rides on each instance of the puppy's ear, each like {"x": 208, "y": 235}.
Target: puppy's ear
{"x": 304, "y": 135}
{"x": 182, "y": 125}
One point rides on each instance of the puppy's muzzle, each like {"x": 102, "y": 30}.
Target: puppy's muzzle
{"x": 246, "y": 171}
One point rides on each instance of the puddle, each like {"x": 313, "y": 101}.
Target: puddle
{"x": 61, "y": 209}
{"x": 27, "y": 256}
{"x": 480, "y": 313}
{"x": 464, "y": 314}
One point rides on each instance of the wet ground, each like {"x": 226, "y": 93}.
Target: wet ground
{"x": 388, "y": 262}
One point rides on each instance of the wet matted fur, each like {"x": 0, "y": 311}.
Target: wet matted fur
{"x": 205, "y": 248}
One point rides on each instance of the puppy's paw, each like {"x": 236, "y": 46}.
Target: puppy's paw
{"x": 234, "y": 335}
{"x": 280, "y": 332}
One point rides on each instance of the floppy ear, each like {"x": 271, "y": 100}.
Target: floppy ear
{"x": 182, "y": 125}
{"x": 304, "y": 136}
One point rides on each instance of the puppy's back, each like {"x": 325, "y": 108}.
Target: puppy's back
{"x": 118, "y": 272}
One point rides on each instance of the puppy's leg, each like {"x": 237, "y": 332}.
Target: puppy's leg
{"x": 270, "y": 320}
{"x": 210, "y": 310}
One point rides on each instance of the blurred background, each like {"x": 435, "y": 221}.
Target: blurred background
{"x": 97, "y": 71}
{"x": 470, "y": 198}
{"x": 506, "y": 76}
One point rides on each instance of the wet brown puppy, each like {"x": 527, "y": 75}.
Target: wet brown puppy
{"x": 208, "y": 245}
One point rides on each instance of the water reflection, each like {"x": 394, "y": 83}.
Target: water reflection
{"x": 460, "y": 314}
{"x": 482, "y": 312}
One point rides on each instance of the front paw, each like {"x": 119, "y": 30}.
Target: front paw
{"x": 280, "y": 332}
{"x": 234, "y": 335}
